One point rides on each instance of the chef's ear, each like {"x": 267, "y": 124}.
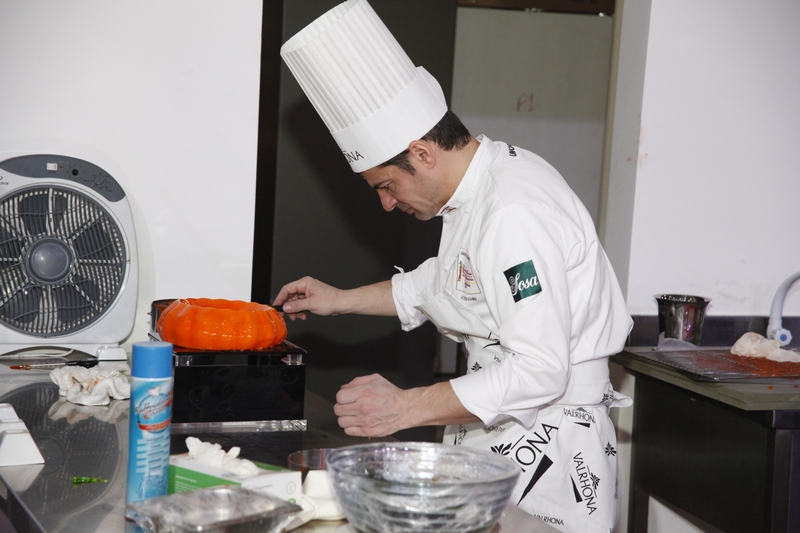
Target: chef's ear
{"x": 423, "y": 154}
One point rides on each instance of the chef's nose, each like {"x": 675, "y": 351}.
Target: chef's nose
{"x": 387, "y": 200}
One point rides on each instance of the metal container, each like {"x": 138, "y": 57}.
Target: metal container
{"x": 156, "y": 308}
{"x": 306, "y": 460}
{"x": 681, "y": 316}
{"x": 226, "y": 509}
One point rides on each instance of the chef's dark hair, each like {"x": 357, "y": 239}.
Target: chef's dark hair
{"x": 448, "y": 134}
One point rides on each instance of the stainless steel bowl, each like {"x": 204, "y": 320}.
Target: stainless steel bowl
{"x": 681, "y": 316}
{"x": 411, "y": 487}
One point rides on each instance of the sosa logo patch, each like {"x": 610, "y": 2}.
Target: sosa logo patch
{"x": 523, "y": 280}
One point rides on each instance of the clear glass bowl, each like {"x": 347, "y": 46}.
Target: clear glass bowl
{"x": 408, "y": 486}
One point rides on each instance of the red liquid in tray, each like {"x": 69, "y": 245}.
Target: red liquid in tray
{"x": 720, "y": 364}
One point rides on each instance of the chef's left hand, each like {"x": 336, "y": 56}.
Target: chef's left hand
{"x": 370, "y": 406}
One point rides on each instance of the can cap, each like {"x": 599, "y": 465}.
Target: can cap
{"x": 151, "y": 360}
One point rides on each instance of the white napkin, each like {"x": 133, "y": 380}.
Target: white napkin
{"x": 754, "y": 345}
{"x": 214, "y": 455}
{"x": 318, "y": 501}
{"x": 93, "y": 386}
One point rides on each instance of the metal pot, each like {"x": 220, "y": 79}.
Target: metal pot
{"x": 156, "y": 308}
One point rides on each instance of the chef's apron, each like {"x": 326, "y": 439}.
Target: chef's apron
{"x": 568, "y": 458}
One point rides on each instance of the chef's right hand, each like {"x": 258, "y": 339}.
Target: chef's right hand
{"x": 308, "y": 294}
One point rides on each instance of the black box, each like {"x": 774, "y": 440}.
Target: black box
{"x": 247, "y": 389}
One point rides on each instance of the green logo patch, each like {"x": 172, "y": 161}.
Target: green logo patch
{"x": 523, "y": 280}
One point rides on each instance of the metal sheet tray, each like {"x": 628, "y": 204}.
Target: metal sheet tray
{"x": 719, "y": 364}
{"x": 285, "y": 353}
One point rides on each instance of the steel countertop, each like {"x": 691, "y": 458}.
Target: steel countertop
{"x": 778, "y": 396}
{"x": 92, "y": 441}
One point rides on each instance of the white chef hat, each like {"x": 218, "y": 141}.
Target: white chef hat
{"x": 363, "y": 85}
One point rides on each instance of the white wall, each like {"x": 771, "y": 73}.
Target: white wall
{"x": 626, "y": 86}
{"x": 163, "y": 96}
{"x": 703, "y": 167}
{"x": 717, "y": 190}
{"x": 538, "y": 81}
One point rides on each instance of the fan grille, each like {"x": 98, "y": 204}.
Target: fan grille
{"x": 62, "y": 260}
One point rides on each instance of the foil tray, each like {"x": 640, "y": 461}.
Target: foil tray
{"x": 719, "y": 365}
{"x": 224, "y": 509}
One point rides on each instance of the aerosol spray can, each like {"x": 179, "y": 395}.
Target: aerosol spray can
{"x": 150, "y": 417}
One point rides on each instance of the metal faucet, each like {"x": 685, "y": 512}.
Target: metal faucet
{"x": 775, "y": 329}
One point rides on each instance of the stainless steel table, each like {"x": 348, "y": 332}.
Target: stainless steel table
{"x": 707, "y": 447}
{"x": 92, "y": 441}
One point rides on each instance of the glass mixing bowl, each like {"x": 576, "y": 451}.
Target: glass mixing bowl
{"x": 408, "y": 486}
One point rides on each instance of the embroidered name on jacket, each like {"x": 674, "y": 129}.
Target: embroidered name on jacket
{"x": 523, "y": 280}
{"x": 465, "y": 280}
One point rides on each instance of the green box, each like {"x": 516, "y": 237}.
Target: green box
{"x": 186, "y": 473}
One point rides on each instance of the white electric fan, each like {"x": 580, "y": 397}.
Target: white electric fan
{"x": 68, "y": 262}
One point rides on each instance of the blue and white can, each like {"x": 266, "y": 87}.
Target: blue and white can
{"x": 150, "y": 418}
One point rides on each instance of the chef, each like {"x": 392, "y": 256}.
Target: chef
{"x": 520, "y": 277}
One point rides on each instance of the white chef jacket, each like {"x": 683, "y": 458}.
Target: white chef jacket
{"x": 522, "y": 280}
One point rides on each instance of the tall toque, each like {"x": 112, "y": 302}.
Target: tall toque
{"x": 363, "y": 85}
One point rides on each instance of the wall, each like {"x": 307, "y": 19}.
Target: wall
{"x": 701, "y": 171}
{"x": 626, "y": 85}
{"x": 715, "y": 210}
{"x": 163, "y": 96}
{"x": 538, "y": 81}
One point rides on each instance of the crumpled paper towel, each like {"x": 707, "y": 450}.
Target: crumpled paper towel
{"x": 93, "y": 386}
{"x": 752, "y": 344}
{"x": 213, "y": 455}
